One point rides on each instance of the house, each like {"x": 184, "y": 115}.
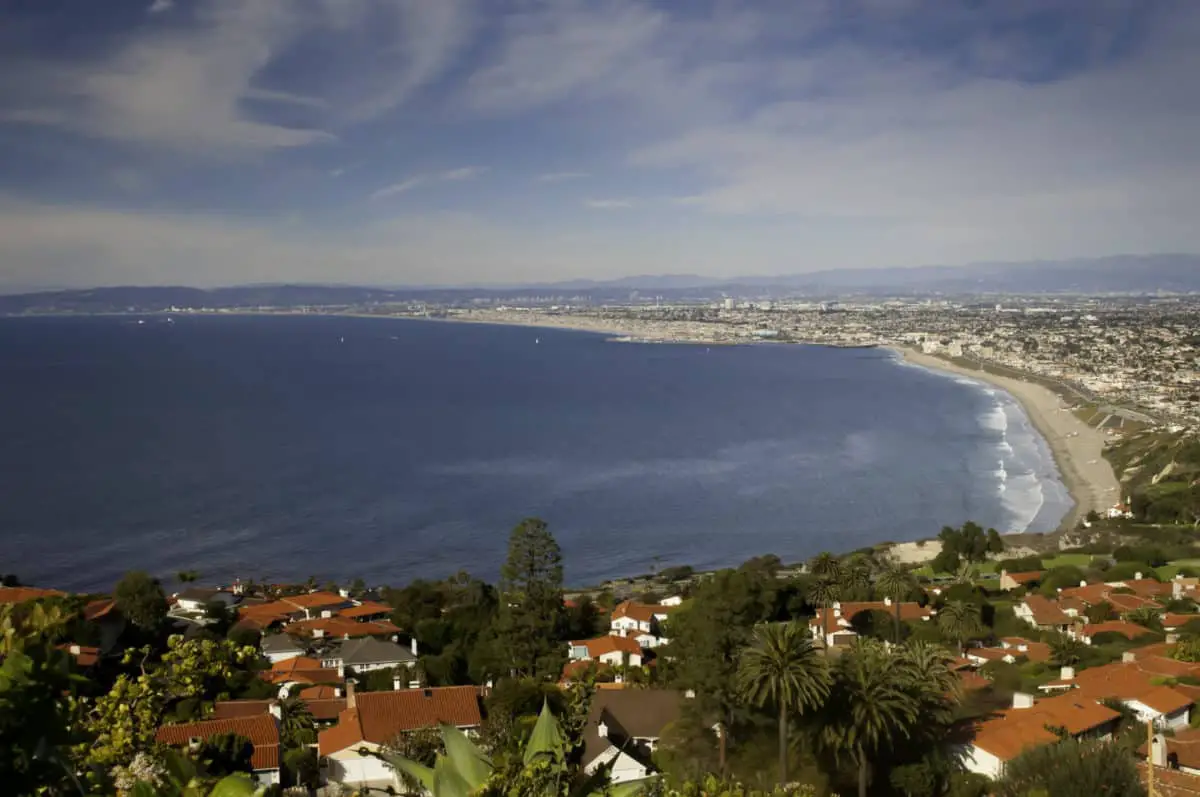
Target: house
{"x": 338, "y": 627}
{"x": 1179, "y": 752}
{"x": 1087, "y": 633}
{"x": 1184, "y": 587}
{"x": 366, "y": 611}
{"x": 1170, "y": 782}
{"x": 834, "y": 626}
{"x": 367, "y": 654}
{"x": 612, "y": 650}
{"x": 85, "y": 657}
{"x": 25, "y": 594}
{"x": 103, "y": 615}
{"x": 640, "y": 619}
{"x": 1128, "y": 682}
{"x": 301, "y": 670}
{"x": 1010, "y": 581}
{"x": 261, "y": 730}
{"x": 1029, "y": 724}
{"x": 1042, "y": 613}
{"x": 196, "y": 600}
{"x": 1010, "y": 649}
{"x": 326, "y": 710}
{"x": 372, "y": 719}
{"x": 1174, "y": 621}
{"x": 623, "y": 729}
{"x": 312, "y": 604}
{"x": 279, "y": 647}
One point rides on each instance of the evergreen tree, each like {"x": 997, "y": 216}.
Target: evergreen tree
{"x": 141, "y": 600}
{"x": 531, "y": 602}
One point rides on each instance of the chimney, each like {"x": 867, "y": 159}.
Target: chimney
{"x": 602, "y": 729}
{"x": 1158, "y": 750}
{"x": 397, "y": 684}
{"x": 1172, "y": 639}
{"x": 414, "y": 684}
{"x": 1137, "y": 576}
{"x": 1081, "y": 583}
{"x": 75, "y": 650}
{"x": 1066, "y": 673}
{"x": 326, "y": 614}
{"x": 1128, "y": 657}
{"x": 337, "y": 691}
{"x": 414, "y": 647}
{"x": 345, "y": 593}
{"x": 341, "y": 669}
{"x": 318, "y": 633}
{"x": 351, "y": 702}
{"x": 887, "y": 601}
{"x": 690, "y": 694}
{"x": 275, "y": 711}
{"x": 1022, "y": 700}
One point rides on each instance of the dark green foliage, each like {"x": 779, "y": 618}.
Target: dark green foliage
{"x": 1063, "y": 577}
{"x": 676, "y": 573}
{"x": 708, "y": 635}
{"x": 1100, "y": 612}
{"x": 531, "y": 602}
{"x": 381, "y": 680}
{"x": 1072, "y": 769}
{"x": 225, "y": 754}
{"x": 141, "y": 600}
{"x": 1127, "y": 570}
{"x": 1025, "y": 564}
{"x": 875, "y": 623}
{"x": 302, "y": 766}
{"x": 450, "y": 620}
{"x": 244, "y": 635}
{"x": 1151, "y": 555}
{"x": 970, "y": 543}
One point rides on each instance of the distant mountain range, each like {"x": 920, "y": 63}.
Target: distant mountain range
{"x": 1126, "y": 274}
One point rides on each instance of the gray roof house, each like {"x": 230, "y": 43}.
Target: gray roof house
{"x": 369, "y": 653}
{"x": 624, "y": 726}
{"x": 280, "y": 647}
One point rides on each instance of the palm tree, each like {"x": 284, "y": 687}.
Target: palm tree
{"x": 824, "y": 592}
{"x": 296, "y": 723}
{"x": 825, "y": 564}
{"x": 782, "y": 667}
{"x": 959, "y": 621}
{"x": 933, "y": 684}
{"x": 871, "y": 702}
{"x": 895, "y": 582}
{"x": 1066, "y": 651}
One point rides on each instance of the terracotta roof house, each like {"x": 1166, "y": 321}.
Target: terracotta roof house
{"x": 1010, "y": 581}
{"x": 1011, "y": 649}
{"x": 641, "y": 618}
{"x": 1171, "y": 782}
{"x": 261, "y": 730}
{"x": 24, "y": 594}
{"x": 85, "y": 657}
{"x": 321, "y": 710}
{"x": 1124, "y": 604}
{"x": 1087, "y": 633}
{"x": 835, "y": 626}
{"x": 311, "y": 604}
{"x": 1042, "y": 613}
{"x": 623, "y": 728}
{"x": 1180, "y": 752}
{"x": 1028, "y": 724}
{"x": 372, "y": 719}
{"x": 1173, "y": 621}
{"x": 1127, "y": 682}
{"x": 338, "y": 627}
{"x": 301, "y": 670}
{"x": 367, "y": 610}
{"x": 612, "y": 650}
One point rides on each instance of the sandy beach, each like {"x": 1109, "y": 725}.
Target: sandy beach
{"x": 1077, "y": 448}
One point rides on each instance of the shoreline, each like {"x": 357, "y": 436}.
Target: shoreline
{"x": 1078, "y": 449}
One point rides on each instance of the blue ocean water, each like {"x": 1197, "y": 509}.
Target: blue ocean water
{"x": 283, "y": 447}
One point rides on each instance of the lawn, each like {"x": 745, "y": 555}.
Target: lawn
{"x": 1064, "y": 559}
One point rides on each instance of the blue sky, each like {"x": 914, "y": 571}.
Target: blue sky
{"x": 456, "y": 141}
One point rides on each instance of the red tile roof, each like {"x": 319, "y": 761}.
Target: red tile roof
{"x": 235, "y": 709}
{"x": 338, "y": 627}
{"x": 1172, "y": 783}
{"x": 1024, "y": 578}
{"x": 365, "y": 609}
{"x": 641, "y": 612}
{"x": 1123, "y": 604}
{"x": 379, "y": 716}
{"x": 1045, "y": 612}
{"x": 1017, "y": 730}
{"x": 1125, "y": 681}
{"x": 99, "y": 609}
{"x": 604, "y": 645}
{"x": 1127, "y": 630}
{"x": 1172, "y": 620}
{"x": 23, "y": 594}
{"x": 1185, "y": 745}
{"x": 84, "y": 656}
{"x": 261, "y": 730}
{"x": 314, "y": 600}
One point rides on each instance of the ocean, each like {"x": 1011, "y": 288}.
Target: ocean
{"x": 289, "y": 446}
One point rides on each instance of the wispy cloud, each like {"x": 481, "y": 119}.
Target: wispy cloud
{"x": 159, "y": 6}
{"x": 398, "y": 188}
{"x": 464, "y": 173}
{"x": 558, "y": 177}
{"x": 608, "y": 204}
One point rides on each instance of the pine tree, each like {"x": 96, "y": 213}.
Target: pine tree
{"x": 531, "y": 601}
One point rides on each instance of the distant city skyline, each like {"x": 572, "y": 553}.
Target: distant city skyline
{"x": 443, "y": 142}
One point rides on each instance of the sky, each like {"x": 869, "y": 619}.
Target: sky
{"x": 441, "y": 142}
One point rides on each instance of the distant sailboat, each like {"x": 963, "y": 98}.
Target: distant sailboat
{"x": 537, "y": 340}
{"x": 342, "y": 340}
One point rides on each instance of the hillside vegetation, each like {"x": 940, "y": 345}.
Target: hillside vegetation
{"x": 1161, "y": 474}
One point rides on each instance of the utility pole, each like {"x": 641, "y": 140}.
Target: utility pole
{"x": 1150, "y": 758}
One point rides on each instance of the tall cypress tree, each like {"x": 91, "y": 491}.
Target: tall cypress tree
{"x": 531, "y": 601}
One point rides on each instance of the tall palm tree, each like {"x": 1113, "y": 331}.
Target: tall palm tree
{"x": 926, "y": 669}
{"x": 781, "y": 667}
{"x": 856, "y": 577}
{"x": 895, "y": 582}
{"x": 959, "y": 620}
{"x": 296, "y": 723}
{"x": 824, "y": 591}
{"x": 870, "y": 703}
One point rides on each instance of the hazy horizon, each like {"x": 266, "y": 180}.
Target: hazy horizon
{"x": 458, "y": 142}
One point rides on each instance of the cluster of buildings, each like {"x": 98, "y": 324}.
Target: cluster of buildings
{"x": 635, "y": 630}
